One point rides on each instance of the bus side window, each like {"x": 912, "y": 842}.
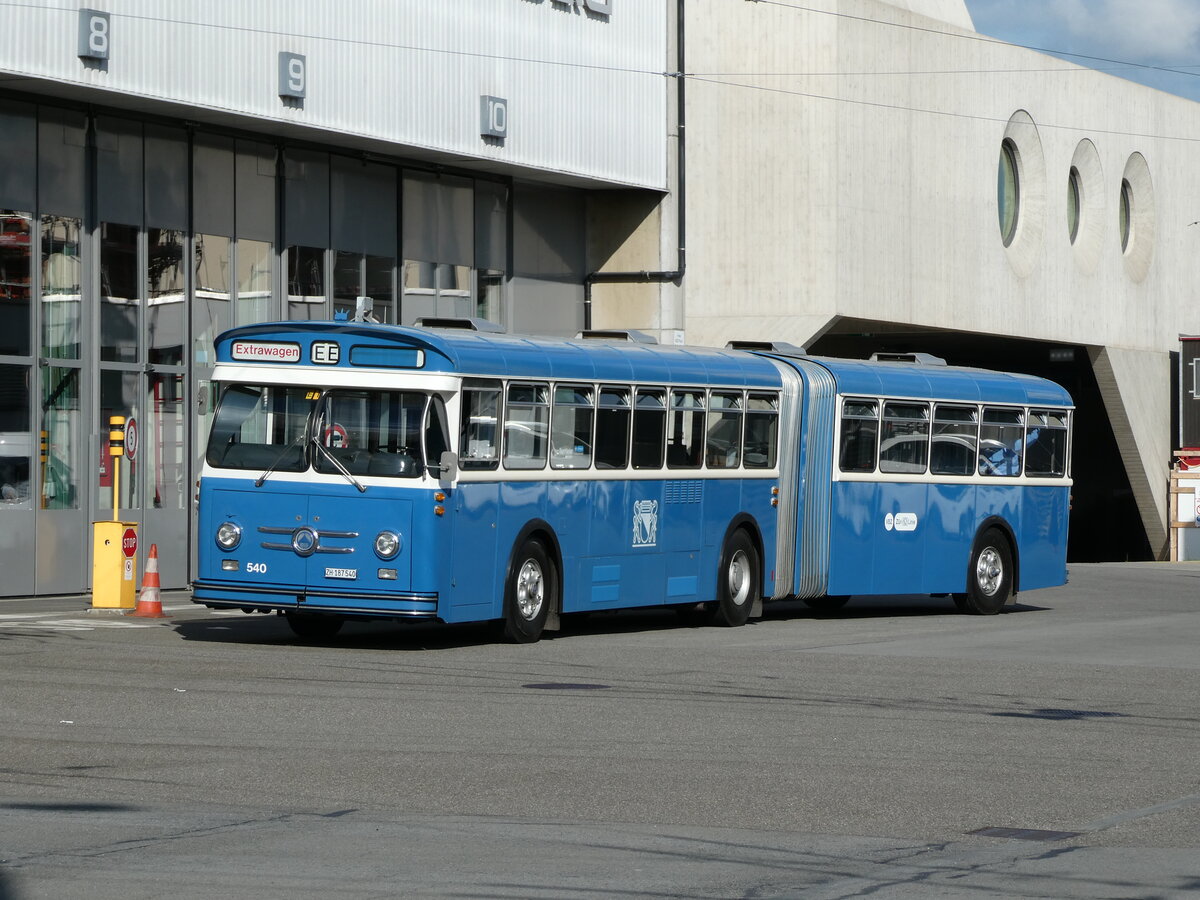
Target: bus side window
{"x": 1046, "y": 443}
{"x": 526, "y": 425}
{"x": 686, "y": 439}
{"x": 1001, "y": 441}
{"x": 860, "y": 428}
{"x": 762, "y": 431}
{"x": 649, "y": 428}
{"x": 955, "y": 440}
{"x": 612, "y": 428}
{"x": 904, "y": 440}
{"x": 477, "y": 446}
{"x": 723, "y": 442}
{"x": 571, "y": 426}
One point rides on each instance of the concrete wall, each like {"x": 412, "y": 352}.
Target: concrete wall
{"x": 845, "y": 167}
{"x": 873, "y": 194}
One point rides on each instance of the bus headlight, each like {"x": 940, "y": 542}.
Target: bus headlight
{"x": 228, "y": 535}
{"x": 387, "y": 544}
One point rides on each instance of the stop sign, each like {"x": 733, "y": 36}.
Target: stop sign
{"x": 129, "y": 543}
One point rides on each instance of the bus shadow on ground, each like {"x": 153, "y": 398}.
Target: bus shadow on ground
{"x": 367, "y": 634}
{"x": 387, "y": 634}
{"x": 884, "y": 607}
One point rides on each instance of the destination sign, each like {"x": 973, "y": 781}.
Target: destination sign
{"x": 265, "y": 351}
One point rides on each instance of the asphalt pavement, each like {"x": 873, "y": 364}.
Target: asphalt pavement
{"x": 894, "y": 748}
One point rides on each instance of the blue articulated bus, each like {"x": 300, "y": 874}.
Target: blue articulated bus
{"x": 450, "y": 472}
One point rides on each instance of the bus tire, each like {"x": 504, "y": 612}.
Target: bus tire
{"x": 827, "y": 603}
{"x": 990, "y": 577}
{"x": 531, "y": 590}
{"x": 737, "y": 580}
{"x": 312, "y": 627}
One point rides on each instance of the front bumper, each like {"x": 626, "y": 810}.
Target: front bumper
{"x": 406, "y": 605}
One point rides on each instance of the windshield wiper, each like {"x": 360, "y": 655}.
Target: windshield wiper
{"x": 258, "y": 482}
{"x": 338, "y": 464}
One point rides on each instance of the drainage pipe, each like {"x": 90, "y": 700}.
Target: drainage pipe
{"x": 674, "y": 276}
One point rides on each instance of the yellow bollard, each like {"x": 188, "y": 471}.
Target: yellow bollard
{"x": 114, "y": 565}
{"x": 115, "y": 543}
{"x": 116, "y": 448}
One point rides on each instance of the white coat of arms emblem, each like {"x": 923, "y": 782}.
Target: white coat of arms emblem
{"x": 645, "y": 523}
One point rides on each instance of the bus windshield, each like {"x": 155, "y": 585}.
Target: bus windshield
{"x": 371, "y": 432}
{"x": 261, "y": 427}
{"x": 359, "y": 431}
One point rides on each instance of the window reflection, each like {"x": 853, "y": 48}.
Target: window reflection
{"x": 436, "y": 289}
{"x": 119, "y": 294}
{"x": 60, "y": 422}
{"x": 16, "y": 438}
{"x": 356, "y": 275}
{"x": 306, "y": 283}
{"x": 255, "y": 301}
{"x": 165, "y": 296}
{"x": 210, "y": 302}
{"x": 347, "y": 281}
{"x": 489, "y": 295}
{"x": 165, "y": 442}
{"x": 60, "y": 287}
{"x": 119, "y": 397}
{"x": 378, "y": 281}
{"x": 16, "y": 233}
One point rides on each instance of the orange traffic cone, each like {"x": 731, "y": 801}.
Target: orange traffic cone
{"x": 149, "y": 605}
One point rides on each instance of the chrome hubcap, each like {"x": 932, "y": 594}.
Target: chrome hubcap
{"x": 739, "y": 578}
{"x": 531, "y": 589}
{"x": 988, "y": 571}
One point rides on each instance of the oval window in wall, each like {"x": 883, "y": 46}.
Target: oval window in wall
{"x": 1021, "y": 193}
{"x": 1136, "y": 217}
{"x": 1086, "y": 199}
{"x": 1126, "y": 207}
{"x": 1074, "y": 194}
{"x": 1008, "y": 191}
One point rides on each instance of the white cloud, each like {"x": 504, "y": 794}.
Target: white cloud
{"x": 1163, "y": 32}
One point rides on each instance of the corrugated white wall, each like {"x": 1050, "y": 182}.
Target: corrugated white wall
{"x": 586, "y": 93}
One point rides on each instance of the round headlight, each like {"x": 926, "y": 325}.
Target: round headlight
{"x": 387, "y": 544}
{"x": 229, "y": 535}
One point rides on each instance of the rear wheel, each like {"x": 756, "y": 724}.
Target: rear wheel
{"x": 531, "y": 590}
{"x": 737, "y": 580}
{"x": 990, "y": 578}
{"x": 314, "y": 627}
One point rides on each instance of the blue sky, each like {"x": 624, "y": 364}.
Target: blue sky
{"x": 1164, "y": 33}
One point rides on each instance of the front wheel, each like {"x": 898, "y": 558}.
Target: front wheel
{"x": 531, "y": 590}
{"x": 990, "y": 578}
{"x": 737, "y": 580}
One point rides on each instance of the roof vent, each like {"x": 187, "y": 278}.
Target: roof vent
{"x": 617, "y": 334}
{"x": 463, "y": 323}
{"x": 919, "y": 359}
{"x": 781, "y": 347}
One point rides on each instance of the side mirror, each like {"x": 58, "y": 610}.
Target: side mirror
{"x": 447, "y": 467}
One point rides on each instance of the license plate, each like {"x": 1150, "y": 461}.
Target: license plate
{"x": 349, "y": 574}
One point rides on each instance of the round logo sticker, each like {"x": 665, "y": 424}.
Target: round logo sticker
{"x": 901, "y": 521}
